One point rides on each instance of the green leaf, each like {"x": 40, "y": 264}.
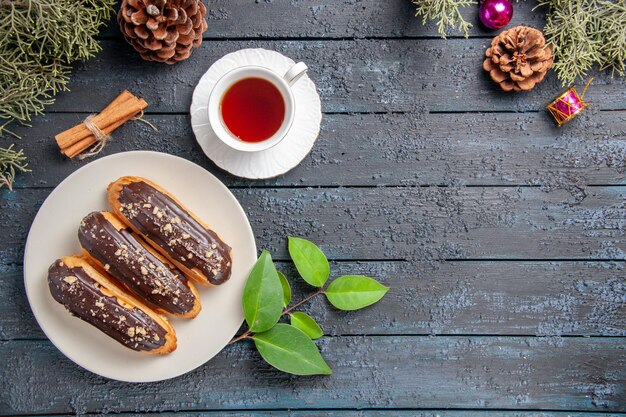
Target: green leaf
{"x": 352, "y": 292}
{"x": 310, "y": 261}
{"x": 263, "y": 295}
{"x": 286, "y": 289}
{"x": 290, "y": 350}
{"x": 306, "y": 323}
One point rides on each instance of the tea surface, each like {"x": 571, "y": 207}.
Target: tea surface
{"x": 253, "y": 109}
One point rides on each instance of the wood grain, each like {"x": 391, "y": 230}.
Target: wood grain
{"x": 332, "y": 19}
{"x": 576, "y": 374}
{"x": 388, "y": 75}
{"x": 403, "y": 109}
{"x": 388, "y": 149}
{"x": 428, "y": 298}
{"x": 370, "y": 413}
{"x": 410, "y": 223}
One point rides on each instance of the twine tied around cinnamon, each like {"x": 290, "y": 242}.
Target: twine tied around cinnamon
{"x": 101, "y": 138}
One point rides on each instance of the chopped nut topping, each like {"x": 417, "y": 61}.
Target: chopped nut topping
{"x": 155, "y": 211}
{"x": 99, "y": 304}
{"x": 131, "y": 331}
{"x": 167, "y": 227}
{"x": 107, "y": 266}
{"x": 147, "y": 205}
{"x": 213, "y": 246}
{"x": 144, "y": 271}
{"x": 118, "y": 252}
{"x": 208, "y": 254}
{"x": 190, "y": 255}
{"x": 70, "y": 279}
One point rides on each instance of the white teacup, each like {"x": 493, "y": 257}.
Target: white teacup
{"x": 282, "y": 83}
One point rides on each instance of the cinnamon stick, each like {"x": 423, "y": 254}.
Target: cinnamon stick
{"x": 112, "y": 121}
{"x": 79, "y": 138}
{"x": 80, "y": 131}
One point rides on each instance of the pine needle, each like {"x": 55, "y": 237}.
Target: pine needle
{"x": 586, "y": 33}
{"x": 10, "y": 163}
{"x": 447, "y": 13}
{"x": 39, "y": 39}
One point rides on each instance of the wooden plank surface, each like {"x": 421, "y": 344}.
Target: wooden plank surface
{"x": 369, "y": 413}
{"x": 483, "y": 264}
{"x": 575, "y": 374}
{"x": 351, "y": 76}
{"x": 333, "y": 19}
{"x": 499, "y": 298}
{"x": 410, "y": 223}
{"x": 388, "y": 149}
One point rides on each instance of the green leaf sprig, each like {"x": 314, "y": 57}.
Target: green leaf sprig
{"x": 267, "y": 297}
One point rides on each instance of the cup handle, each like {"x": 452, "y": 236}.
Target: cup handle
{"x": 295, "y": 73}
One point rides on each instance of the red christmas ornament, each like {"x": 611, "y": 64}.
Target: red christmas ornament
{"x": 495, "y": 14}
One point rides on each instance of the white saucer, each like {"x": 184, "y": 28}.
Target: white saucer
{"x": 279, "y": 159}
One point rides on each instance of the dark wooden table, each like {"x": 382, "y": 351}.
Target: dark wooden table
{"x": 502, "y": 236}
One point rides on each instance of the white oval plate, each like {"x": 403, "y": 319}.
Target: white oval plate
{"x": 54, "y": 234}
{"x": 278, "y": 159}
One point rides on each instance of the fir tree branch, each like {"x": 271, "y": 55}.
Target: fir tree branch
{"x": 11, "y": 162}
{"x": 584, "y": 34}
{"x": 39, "y": 39}
{"x": 447, "y": 13}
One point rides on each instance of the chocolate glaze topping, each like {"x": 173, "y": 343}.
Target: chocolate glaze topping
{"x": 124, "y": 257}
{"x": 167, "y": 224}
{"x": 85, "y": 299}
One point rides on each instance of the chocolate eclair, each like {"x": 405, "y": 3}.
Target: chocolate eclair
{"x": 111, "y": 245}
{"x": 91, "y": 296}
{"x": 171, "y": 229}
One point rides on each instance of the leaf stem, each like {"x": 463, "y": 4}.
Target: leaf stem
{"x": 246, "y": 334}
{"x": 293, "y": 307}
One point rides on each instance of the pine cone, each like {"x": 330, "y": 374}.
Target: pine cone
{"x": 163, "y": 30}
{"x": 518, "y": 58}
